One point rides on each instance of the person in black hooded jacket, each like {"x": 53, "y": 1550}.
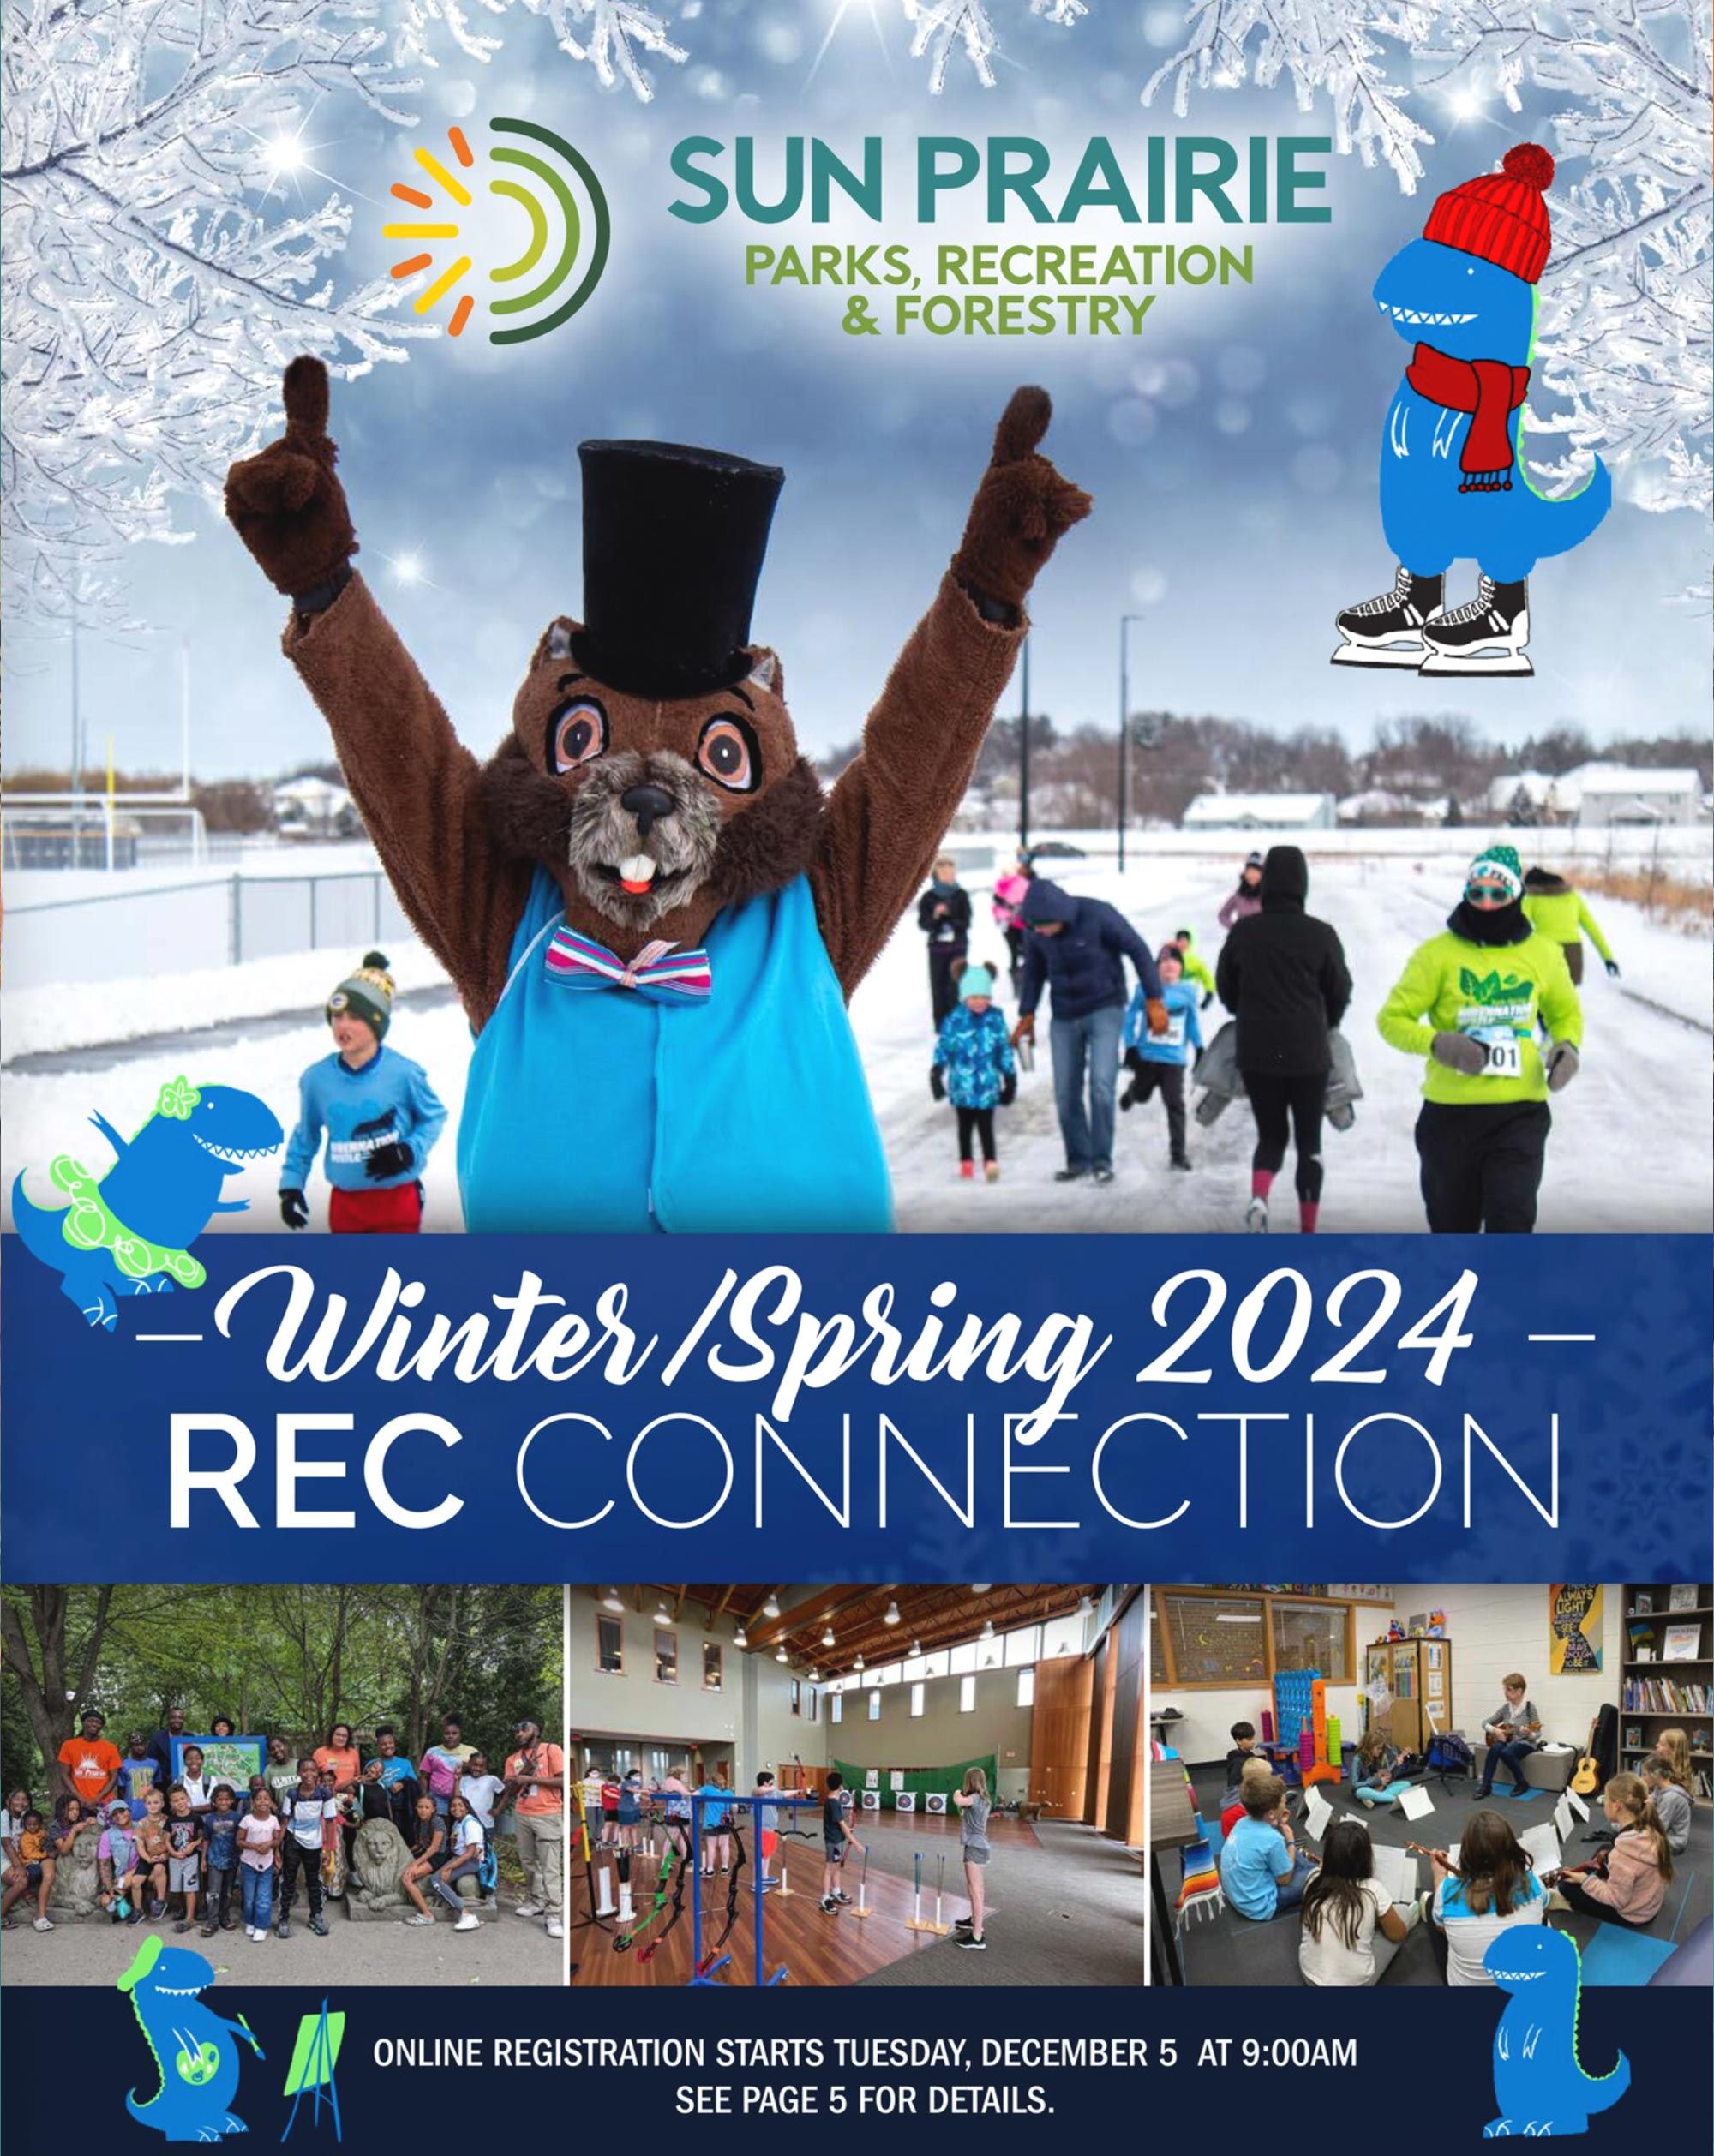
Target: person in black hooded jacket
{"x": 1076, "y": 947}
{"x": 943, "y": 913}
{"x": 1282, "y": 974}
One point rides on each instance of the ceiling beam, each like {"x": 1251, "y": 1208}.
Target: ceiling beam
{"x": 830, "y": 1603}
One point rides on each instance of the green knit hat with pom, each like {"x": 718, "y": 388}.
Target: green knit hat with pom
{"x": 1496, "y": 864}
{"x": 366, "y": 993}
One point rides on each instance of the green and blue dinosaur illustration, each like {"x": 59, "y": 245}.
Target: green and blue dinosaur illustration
{"x": 127, "y": 1231}
{"x": 196, "y": 2049}
{"x": 1540, "y": 2089}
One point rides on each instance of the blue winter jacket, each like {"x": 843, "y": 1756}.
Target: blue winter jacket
{"x": 1082, "y": 966}
{"x": 1183, "y": 1034}
{"x": 975, "y": 1052}
{"x": 389, "y": 1098}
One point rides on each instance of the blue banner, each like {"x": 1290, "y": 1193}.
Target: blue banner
{"x": 927, "y": 1408}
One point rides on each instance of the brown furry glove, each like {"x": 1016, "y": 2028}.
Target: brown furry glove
{"x": 1021, "y": 507}
{"x": 285, "y": 504}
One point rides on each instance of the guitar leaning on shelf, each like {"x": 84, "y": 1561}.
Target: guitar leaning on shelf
{"x": 1587, "y": 1778}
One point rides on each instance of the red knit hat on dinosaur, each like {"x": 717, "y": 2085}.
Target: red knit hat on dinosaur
{"x": 1502, "y": 216}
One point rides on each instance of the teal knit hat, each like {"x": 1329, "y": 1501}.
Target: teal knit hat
{"x": 1496, "y": 864}
{"x": 974, "y": 980}
{"x": 366, "y": 993}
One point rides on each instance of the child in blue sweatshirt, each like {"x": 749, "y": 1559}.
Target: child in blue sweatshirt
{"x": 974, "y": 1068}
{"x": 1156, "y": 1061}
{"x": 377, "y": 1109}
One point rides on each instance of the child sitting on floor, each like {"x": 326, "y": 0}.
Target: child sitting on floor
{"x": 1263, "y": 1872}
{"x": 1243, "y": 1734}
{"x": 1671, "y": 1802}
{"x": 1375, "y": 1773}
{"x": 1626, "y": 1883}
{"x": 1351, "y": 1927}
{"x": 1492, "y": 1887}
{"x": 1256, "y": 1763}
{"x": 974, "y": 1068}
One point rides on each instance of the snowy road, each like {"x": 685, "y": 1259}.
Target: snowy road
{"x": 1632, "y": 1147}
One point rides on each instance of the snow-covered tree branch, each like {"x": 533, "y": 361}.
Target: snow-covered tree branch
{"x": 1624, "y": 339}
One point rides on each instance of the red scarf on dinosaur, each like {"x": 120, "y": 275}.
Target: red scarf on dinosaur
{"x": 1490, "y": 390}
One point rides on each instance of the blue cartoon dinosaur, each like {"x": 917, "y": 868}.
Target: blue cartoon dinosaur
{"x": 194, "y": 2050}
{"x": 1452, "y": 485}
{"x": 127, "y": 1233}
{"x": 1539, "y": 2088}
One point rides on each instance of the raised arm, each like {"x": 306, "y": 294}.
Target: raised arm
{"x": 892, "y": 803}
{"x": 416, "y": 786}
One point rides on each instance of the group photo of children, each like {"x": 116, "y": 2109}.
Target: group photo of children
{"x": 852, "y": 1784}
{"x": 1359, "y": 1785}
{"x": 300, "y": 1774}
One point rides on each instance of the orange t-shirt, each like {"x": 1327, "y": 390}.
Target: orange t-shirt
{"x": 91, "y": 1765}
{"x": 343, "y": 1759}
{"x": 549, "y": 1759}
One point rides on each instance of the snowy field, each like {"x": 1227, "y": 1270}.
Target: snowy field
{"x": 1633, "y": 1147}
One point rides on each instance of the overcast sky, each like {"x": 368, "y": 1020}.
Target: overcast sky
{"x": 1232, "y": 446}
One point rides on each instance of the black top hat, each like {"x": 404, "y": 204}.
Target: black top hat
{"x": 674, "y": 541}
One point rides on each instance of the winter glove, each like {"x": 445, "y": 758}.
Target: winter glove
{"x": 1021, "y": 509}
{"x": 1007, "y": 1088}
{"x": 1561, "y": 1066}
{"x": 937, "y": 1082}
{"x": 388, "y": 1160}
{"x": 1025, "y": 1028}
{"x": 1458, "y": 1052}
{"x": 1612, "y": 966}
{"x": 294, "y": 1208}
{"x": 1208, "y": 999}
{"x": 1155, "y": 1011}
{"x": 286, "y": 505}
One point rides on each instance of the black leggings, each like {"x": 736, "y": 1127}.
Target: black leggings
{"x": 979, "y": 1122}
{"x": 1482, "y": 1165}
{"x": 1578, "y": 1897}
{"x": 1298, "y": 1100}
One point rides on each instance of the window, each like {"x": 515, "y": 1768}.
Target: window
{"x": 609, "y": 1646}
{"x": 1210, "y": 1638}
{"x": 966, "y": 1695}
{"x": 962, "y": 1660}
{"x": 889, "y": 1674}
{"x": 814, "y": 1704}
{"x": 1026, "y": 1691}
{"x": 836, "y": 1707}
{"x": 1312, "y": 1636}
{"x": 713, "y": 1665}
{"x": 874, "y": 1706}
{"x": 1023, "y": 1646}
{"x": 666, "y": 1656}
{"x": 1063, "y": 1635}
{"x": 797, "y": 1697}
{"x": 918, "y": 1696}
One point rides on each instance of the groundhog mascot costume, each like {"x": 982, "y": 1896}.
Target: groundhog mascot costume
{"x": 652, "y": 914}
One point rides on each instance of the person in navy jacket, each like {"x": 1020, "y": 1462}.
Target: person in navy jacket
{"x": 1076, "y": 947}
{"x": 377, "y": 1110}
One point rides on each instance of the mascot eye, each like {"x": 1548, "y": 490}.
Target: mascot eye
{"x": 576, "y": 734}
{"x": 729, "y": 754}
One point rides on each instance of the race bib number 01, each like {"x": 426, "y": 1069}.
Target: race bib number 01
{"x": 1505, "y": 1053}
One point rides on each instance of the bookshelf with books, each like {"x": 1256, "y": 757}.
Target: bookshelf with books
{"x": 1668, "y": 1673}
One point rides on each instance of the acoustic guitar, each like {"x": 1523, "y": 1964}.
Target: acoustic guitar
{"x": 1587, "y": 1778}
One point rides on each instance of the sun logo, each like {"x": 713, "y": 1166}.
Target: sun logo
{"x": 568, "y": 229}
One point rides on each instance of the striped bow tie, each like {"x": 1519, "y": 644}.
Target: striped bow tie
{"x": 661, "y": 971}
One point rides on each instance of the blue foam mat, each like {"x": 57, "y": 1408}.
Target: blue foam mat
{"x": 1613, "y": 1956}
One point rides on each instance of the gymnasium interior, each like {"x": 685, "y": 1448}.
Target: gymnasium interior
{"x": 1609, "y": 1669}
{"x": 901, "y": 1689}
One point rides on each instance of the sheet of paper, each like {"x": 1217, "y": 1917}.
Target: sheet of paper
{"x": 1542, "y": 1843}
{"x": 1416, "y": 1803}
{"x": 1578, "y": 1805}
{"x": 1563, "y": 1817}
{"x": 1396, "y": 1869}
{"x": 1317, "y": 1813}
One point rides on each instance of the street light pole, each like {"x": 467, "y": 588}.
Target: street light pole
{"x": 1125, "y": 620}
{"x": 1023, "y": 757}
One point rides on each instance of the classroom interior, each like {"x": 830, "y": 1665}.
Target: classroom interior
{"x": 899, "y": 1689}
{"x": 1608, "y": 1670}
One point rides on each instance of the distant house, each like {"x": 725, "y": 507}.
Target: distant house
{"x": 1532, "y": 798}
{"x": 313, "y": 808}
{"x": 1616, "y": 794}
{"x": 1259, "y": 812}
{"x": 1381, "y": 805}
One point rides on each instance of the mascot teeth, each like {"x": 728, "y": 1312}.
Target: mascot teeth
{"x": 636, "y": 873}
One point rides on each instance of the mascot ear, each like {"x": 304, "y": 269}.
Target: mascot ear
{"x": 766, "y": 672}
{"x": 555, "y": 642}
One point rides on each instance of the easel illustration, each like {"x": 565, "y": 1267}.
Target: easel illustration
{"x": 313, "y": 2060}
